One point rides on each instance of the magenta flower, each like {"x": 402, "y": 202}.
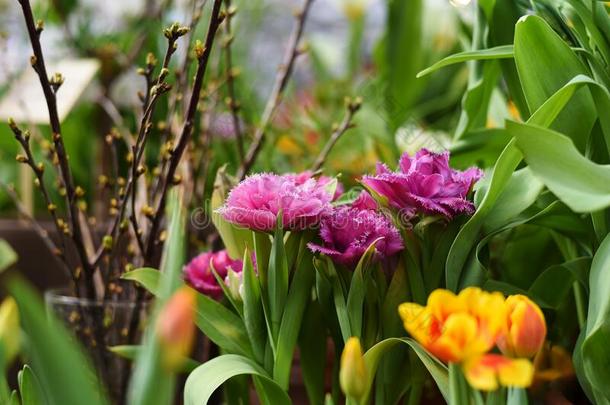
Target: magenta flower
{"x": 365, "y": 202}
{"x": 425, "y": 185}
{"x": 349, "y": 231}
{"x": 256, "y": 202}
{"x": 301, "y": 178}
{"x": 198, "y": 273}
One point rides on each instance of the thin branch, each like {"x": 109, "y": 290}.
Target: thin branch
{"x": 50, "y": 88}
{"x": 352, "y": 107}
{"x": 203, "y": 55}
{"x": 281, "y": 80}
{"x": 155, "y": 88}
{"x": 231, "y": 74}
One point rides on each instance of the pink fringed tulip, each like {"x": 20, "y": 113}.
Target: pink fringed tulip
{"x": 425, "y": 185}
{"x": 256, "y": 202}
{"x": 526, "y": 328}
{"x": 198, "y": 273}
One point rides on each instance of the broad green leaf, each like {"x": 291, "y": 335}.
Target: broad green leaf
{"x": 476, "y": 100}
{"x": 262, "y": 246}
{"x": 498, "y": 52}
{"x": 358, "y": 288}
{"x": 201, "y": 383}
{"x": 146, "y": 277}
{"x": 14, "y": 399}
{"x": 468, "y": 235}
{"x": 235, "y": 239}
{"x": 54, "y": 354}
{"x": 131, "y": 352}
{"x": 403, "y": 58}
{"x": 8, "y": 257}
{"x": 298, "y": 297}
{"x": 222, "y": 326}
{"x": 519, "y": 193}
{"x": 538, "y": 52}
{"x": 555, "y": 283}
{"x": 29, "y": 387}
{"x": 150, "y": 381}
{"x": 437, "y": 370}
{"x": 312, "y": 353}
{"x": 595, "y": 350}
{"x": 278, "y": 279}
{"x": 254, "y": 317}
{"x": 581, "y": 184}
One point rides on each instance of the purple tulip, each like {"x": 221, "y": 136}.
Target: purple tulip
{"x": 256, "y": 202}
{"x": 349, "y": 231}
{"x": 198, "y": 273}
{"x": 425, "y": 185}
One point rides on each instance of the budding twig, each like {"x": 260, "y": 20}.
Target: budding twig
{"x": 281, "y": 80}
{"x": 352, "y": 107}
{"x": 49, "y": 91}
{"x": 203, "y": 55}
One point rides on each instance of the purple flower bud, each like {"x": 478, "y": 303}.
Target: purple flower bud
{"x": 425, "y": 185}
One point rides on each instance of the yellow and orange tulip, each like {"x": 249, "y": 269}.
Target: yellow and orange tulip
{"x": 525, "y": 330}
{"x": 456, "y": 327}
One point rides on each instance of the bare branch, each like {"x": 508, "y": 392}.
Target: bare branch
{"x": 203, "y": 55}
{"x": 352, "y": 106}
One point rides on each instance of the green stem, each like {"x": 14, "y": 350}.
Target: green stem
{"x": 412, "y": 264}
{"x": 579, "y": 298}
{"x": 458, "y": 390}
{"x": 417, "y": 377}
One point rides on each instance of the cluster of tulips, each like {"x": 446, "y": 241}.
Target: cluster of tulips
{"x": 465, "y": 328}
{"x": 361, "y": 244}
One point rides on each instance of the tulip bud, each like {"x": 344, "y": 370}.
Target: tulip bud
{"x": 176, "y": 328}
{"x": 526, "y": 328}
{"x": 234, "y": 282}
{"x": 353, "y": 375}
{"x": 9, "y": 330}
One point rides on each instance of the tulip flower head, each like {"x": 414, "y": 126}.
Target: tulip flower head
{"x": 526, "y": 328}
{"x": 256, "y": 202}
{"x": 353, "y": 374}
{"x": 198, "y": 273}
{"x": 10, "y": 338}
{"x": 456, "y": 327}
{"x": 175, "y": 327}
{"x": 348, "y": 232}
{"x": 425, "y": 185}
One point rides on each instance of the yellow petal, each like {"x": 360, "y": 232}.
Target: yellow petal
{"x": 490, "y": 370}
{"x": 479, "y": 376}
{"x": 518, "y": 373}
{"x": 416, "y": 320}
{"x": 443, "y": 302}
